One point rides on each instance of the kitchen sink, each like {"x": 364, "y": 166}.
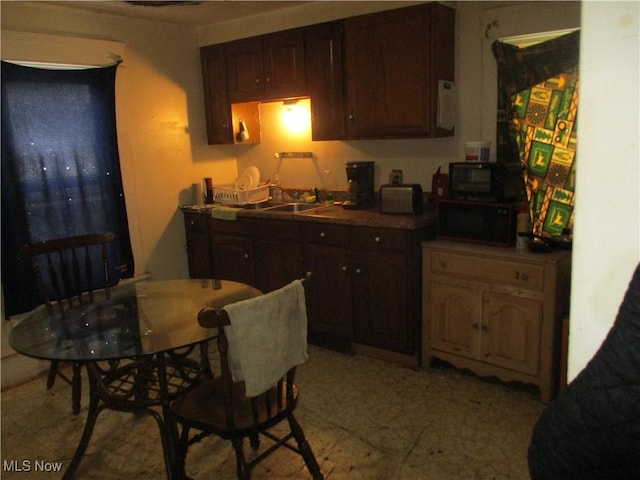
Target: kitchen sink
{"x": 294, "y": 207}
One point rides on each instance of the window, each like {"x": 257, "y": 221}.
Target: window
{"x": 60, "y": 167}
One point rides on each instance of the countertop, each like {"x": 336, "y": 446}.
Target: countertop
{"x": 335, "y": 214}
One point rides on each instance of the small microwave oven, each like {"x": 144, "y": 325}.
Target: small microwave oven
{"x": 485, "y": 181}
{"x": 477, "y": 222}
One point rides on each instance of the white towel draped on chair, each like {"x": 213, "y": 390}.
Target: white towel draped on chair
{"x": 272, "y": 330}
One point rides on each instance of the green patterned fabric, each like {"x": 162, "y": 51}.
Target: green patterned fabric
{"x": 537, "y": 114}
{"x": 544, "y": 125}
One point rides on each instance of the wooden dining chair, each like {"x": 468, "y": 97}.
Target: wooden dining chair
{"x": 65, "y": 277}
{"x": 231, "y": 409}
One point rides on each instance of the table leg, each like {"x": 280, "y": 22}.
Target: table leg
{"x": 138, "y": 401}
{"x": 92, "y": 415}
{"x": 170, "y": 430}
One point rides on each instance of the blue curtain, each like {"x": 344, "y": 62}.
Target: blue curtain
{"x": 60, "y": 169}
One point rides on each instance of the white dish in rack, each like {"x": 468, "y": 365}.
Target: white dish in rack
{"x": 250, "y": 178}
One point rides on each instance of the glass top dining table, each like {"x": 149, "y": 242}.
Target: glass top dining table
{"x": 140, "y": 318}
{"x": 137, "y": 346}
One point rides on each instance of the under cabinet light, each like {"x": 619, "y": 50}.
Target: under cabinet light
{"x": 296, "y": 117}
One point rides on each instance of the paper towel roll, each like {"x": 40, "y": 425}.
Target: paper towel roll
{"x": 196, "y": 189}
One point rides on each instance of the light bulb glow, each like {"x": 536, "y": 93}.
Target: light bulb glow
{"x": 296, "y": 118}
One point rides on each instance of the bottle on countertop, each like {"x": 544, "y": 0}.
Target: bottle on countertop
{"x": 276, "y": 188}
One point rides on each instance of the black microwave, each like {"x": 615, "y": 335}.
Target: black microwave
{"x": 485, "y": 181}
{"x": 477, "y": 222}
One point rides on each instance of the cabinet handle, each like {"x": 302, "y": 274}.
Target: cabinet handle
{"x": 322, "y": 234}
{"x": 192, "y": 222}
{"x": 257, "y": 81}
{"x": 377, "y": 239}
{"x": 267, "y": 79}
{"x": 246, "y": 255}
{"x": 351, "y": 117}
{"x": 345, "y": 269}
{"x": 358, "y": 271}
{"x": 524, "y": 276}
{"x": 477, "y": 326}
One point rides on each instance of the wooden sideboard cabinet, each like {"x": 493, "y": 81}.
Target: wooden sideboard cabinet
{"x": 496, "y": 311}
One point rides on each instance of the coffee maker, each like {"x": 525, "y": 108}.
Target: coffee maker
{"x": 360, "y": 180}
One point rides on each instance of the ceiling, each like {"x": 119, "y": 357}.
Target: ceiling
{"x": 192, "y": 13}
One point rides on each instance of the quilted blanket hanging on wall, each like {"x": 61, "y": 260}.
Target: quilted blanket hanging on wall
{"x": 544, "y": 122}
{"x": 537, "y": 121}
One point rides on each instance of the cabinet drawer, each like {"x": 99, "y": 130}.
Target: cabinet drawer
{"x": 276, "y": 229}
{"x": 326, "y": 234}
{"x": 236, "y": 227}
{"x": 196, "y": 221}
{"x": 382, "y": 238}
{"x": 490, "y": 269}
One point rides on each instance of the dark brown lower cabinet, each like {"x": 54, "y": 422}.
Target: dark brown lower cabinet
{"x": 232, "y": 258}
{"x": 196, "y": 227}
{"x": 331, "y": 300}
{"x": 381, "y": 294}
{"x": 365, "y": 290}
{"x": 276, "y": 263}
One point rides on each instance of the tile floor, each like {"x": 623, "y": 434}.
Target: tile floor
{"x": 365, "y": 420}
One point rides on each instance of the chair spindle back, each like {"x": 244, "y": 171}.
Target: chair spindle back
{"x": 64, "y": 269}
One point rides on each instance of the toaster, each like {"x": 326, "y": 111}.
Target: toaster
{"x": 405, "y": 199}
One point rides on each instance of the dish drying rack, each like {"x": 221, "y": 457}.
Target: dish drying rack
{"x": 228, "y": 195}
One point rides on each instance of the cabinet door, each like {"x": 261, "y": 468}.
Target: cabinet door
{"x": 232, "y": 258}
{"x": 276, "y": 263}
{"x": 511, "y": 332}
{"x": 198, "y": 253}
{"x": 216, "y": 99}
{"x": 391, "y": 85}
{"x": 245, "y": 70}
{"x": 283, "y": 65}
{"x": 323, "y": 57}
{"x": 330, "y": 304}
{"x": 454, "y": 319}
{"x": 381, "y": 302}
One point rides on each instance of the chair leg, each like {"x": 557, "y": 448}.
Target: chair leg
{"x": 76, "y": 388}
{"x": 305, "y": 449}
{"x": 242, "y": 467}
{"x": 181, "y": 450}
{"x": 255, "y": 441}
{"x": 53, "y": 371}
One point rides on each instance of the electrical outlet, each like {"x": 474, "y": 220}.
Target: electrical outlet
{"x": 395, "y": 177}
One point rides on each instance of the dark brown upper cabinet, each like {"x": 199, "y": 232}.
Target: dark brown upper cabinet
{"x": 394, "y": 60}
{"x": 369, "y": 77}
{"x": 217, "y": 107}
{"x": 268, "y": 67}
{"x": 323, "y": 57}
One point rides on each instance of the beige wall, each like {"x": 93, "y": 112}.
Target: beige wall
{"x": 607, "y": 228}
{"x": 161, "y": 119}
